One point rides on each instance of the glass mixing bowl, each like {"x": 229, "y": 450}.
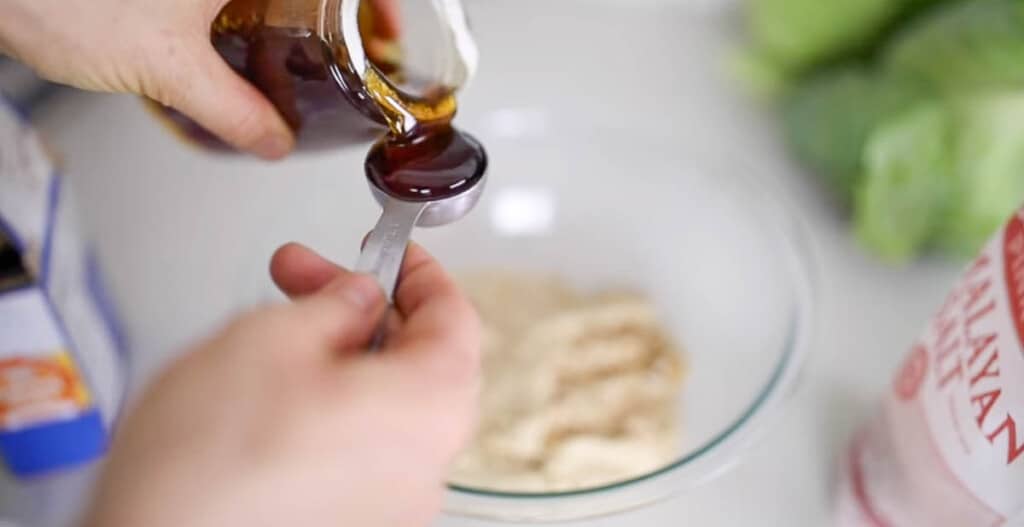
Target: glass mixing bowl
{"x": 714, "y": 249}
{"x": 717, "y": 254}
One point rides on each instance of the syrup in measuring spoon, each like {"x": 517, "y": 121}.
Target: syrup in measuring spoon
{"x": 428, "y": 166}
{"x": 423, "y": 157}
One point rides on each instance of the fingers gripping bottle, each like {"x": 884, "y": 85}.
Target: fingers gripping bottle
{"x": 342, "y": 72}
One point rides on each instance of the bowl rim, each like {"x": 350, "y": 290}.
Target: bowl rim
{"x": 722, "y": 451}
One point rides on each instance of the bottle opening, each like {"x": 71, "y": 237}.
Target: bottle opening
{"x": 421, "y": 53}
{"x": 421, "y": 46}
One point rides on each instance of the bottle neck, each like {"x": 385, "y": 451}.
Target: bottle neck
{"x": 365, "y": 60}
{"x": 346, "y": 60}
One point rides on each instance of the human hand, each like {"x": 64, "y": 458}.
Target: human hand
{"x": 281, "y": 419}
{"x": 156, "y": 48}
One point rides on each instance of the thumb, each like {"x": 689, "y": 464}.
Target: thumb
{"x": 202, "y": 86}
{"x": 339, "y": 318}
{"x": 345, "y": 313}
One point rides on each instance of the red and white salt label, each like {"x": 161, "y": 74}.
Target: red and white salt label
{"x": 947, "y": 448}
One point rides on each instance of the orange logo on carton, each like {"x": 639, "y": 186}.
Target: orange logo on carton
{"x": 39, "y": 389}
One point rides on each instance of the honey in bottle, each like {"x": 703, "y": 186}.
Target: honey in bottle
{"x": 334, "y": 88}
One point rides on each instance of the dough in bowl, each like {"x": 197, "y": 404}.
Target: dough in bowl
{"x": 579, "y": 390}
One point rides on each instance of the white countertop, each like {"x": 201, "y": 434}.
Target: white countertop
{"x": 171, "y": 223}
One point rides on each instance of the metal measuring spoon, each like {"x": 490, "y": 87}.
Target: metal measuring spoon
{"x": 384, "y": 249}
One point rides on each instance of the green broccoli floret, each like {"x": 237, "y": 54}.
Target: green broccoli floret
{"x": 828, "y": 119}
{"x": 989, "y": 171}
{"x": 967, "y": 46}
{"x": 907, "y": 183}
{"x": 795, "y": 35}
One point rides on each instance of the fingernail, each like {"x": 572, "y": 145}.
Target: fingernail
{"x": 273, "y": 146}
{"x": 361, "y": 291}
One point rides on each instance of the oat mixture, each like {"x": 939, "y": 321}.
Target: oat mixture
{"x": 579, "y": 391}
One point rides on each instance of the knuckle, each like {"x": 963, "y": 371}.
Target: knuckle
{"x": 192, "y": 79}
{"x": 455, "y": 365}
{"x": 262, "y": 324}
{"x": 276, "y": 335}
{"x": 247, "y": 123}
{"x": 454, "y": 427}
{"x": 472, "y": 321}
{"x": 168, "y": 73}
{"x": 457, "y": 358}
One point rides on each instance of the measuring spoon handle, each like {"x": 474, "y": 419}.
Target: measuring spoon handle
{"x": 384, "y": 250}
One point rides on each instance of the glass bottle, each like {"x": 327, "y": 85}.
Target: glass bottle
{"x": 340, "y": 71}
